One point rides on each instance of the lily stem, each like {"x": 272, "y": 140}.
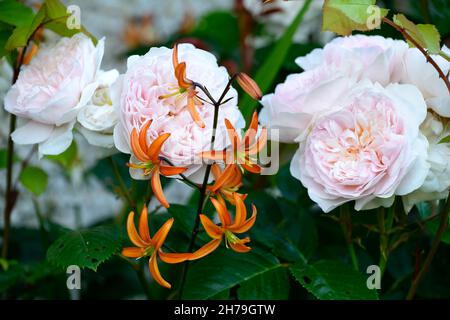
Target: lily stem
{"x": 444, "y": 215}
{"x": 346, "y": 225}
{"x": 201, "y": 201}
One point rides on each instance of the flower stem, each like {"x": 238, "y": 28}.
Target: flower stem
{"x": 123, "y": 188}
{"x": 421, "y": 49}
{"x": 437, "y": 239}
{"x": 11, "y": 193}
{"x": 385, "y": 224}
{"x": 201, "y": 201}
{"x": 346, "y": 225}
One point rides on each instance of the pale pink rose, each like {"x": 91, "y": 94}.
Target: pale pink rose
{"x": 136, "y": 99}
{"x": 301, "y": 99}
{"x": 368, "y": 151}
{"x": 373, "y": 57}
{"x": 437, "y": 182}
{"x": 50, "y": 92}
{"x": 422, "y": 74}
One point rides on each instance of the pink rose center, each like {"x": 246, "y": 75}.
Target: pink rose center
{"x": 354, "y": 147}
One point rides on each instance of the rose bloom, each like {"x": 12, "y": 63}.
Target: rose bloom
{"x": 369, "y": 151}
{"x": 373, "y": 57}
{"x": 52, "y": 89}
{"x": 301, "y": 99}
{"x": 437, "y": 182}
{"x": 137, "y": 99}
{"x": 98, "y": 118}
{"x": 419, "y": 72}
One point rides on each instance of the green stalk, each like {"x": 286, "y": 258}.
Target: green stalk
{"x": 346, "y": 225}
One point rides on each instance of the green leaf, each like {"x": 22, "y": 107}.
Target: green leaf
{"x": 34, "y": 179}
{"x": 5, "y": 33}
{"x": 21, "y": 35}
{"x": 445, "y": 140}
{"x": 86, "y": 248}
{"x": 333, "y": 280}
{"x": 57, "y": 20}
{"x": 431, "y": 36}
{"x": 426, "y": 35}
{"x": 15, "y": 13}
{"x": 345, "y": 16}
{"x": 271, "y": 285}
{"x": 11, "y": 273}
{"x": 225, "y": 269}
{"x": 53, "y": 15}
{"x": 266, "y": 74}
{"x": 68, "y": 157}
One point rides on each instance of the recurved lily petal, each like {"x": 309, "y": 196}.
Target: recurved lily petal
{"x": 240, "y": 247}
{"x": 174, "y": 257}
{"x": 136, "y": 148}
{"x": 222, "y": 211}
{"x": 232, "y": 134}
{"x": 223, "y": 177}
{"x": 211, "y": 228}
{"x": 206, "y": 249}
{"x": 244, "y": 227}
{"x": 133, "y": 234}
{"x": 133, "y": 252}
{"x": 154, "y": 270}
{"x": 158, "y": 190}
{"x": 193, "y": 112}
{"x": 221, "y": 200}
{"x": 175, "y": 56}
{"x": 171, "y": 171}
{"x": 260, "y": 143}
{"x": 214, "y": 155}
{"x": 180, "y": 75}
{"x": 241, "y": 212}
{"x": 155, "y": 148}
{"x": 160, "y": 236}
{"x": 143, "y": 136}
{"x": 252, "y": 130}
{"x": 143, "y": 225}
{"x": 251, "y": 167}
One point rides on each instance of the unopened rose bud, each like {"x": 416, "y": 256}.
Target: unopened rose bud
{"x": 249, "y": 85}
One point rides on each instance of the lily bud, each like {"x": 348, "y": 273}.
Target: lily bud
{"x": 249, "y": 85}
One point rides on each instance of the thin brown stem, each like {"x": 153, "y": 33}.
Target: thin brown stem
{"x": 421, "y": 49}
{"x": 202, "y": 199}
{"x": 434, "y": 247}
{"x": 11, "y": 192}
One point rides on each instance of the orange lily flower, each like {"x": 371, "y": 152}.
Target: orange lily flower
{"x": 227, "y": 182}
{"x": 227, "y": 229}
{"x": 243, "y": 153}
{"x": 186, "y": 88}
{"x": 145, "y": 246}
{"x": 149, "y": 159}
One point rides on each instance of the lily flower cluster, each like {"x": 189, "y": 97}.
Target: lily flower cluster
{"x": 227, "y": 167}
